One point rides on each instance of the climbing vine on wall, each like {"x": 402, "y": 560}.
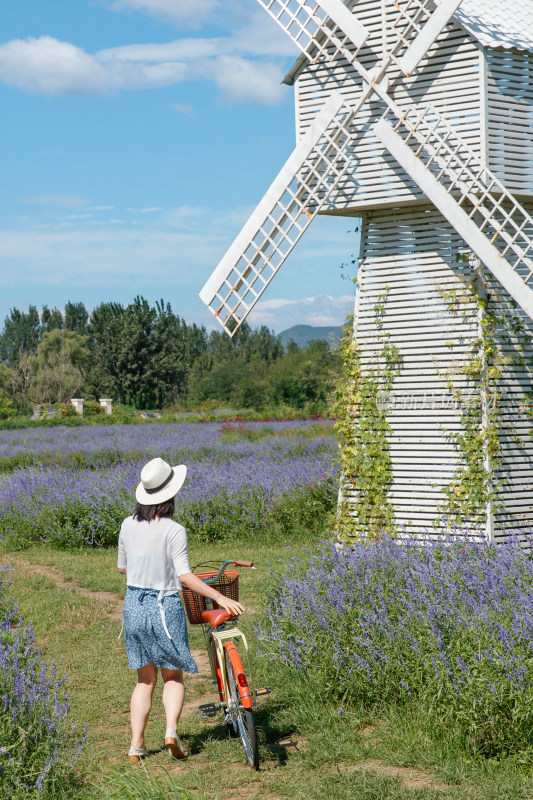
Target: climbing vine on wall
{"x": 472, "y": 487}
{"x": 501, "y": 341}
{"x": 365, "y": 511}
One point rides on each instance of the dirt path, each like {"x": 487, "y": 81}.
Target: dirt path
{"x": 113, "y": 611}
{"x": 57, "y": 578}
{"x": 409, "y": 778}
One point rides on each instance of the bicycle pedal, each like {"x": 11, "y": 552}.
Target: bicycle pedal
{"x": 264, "y": 690}
{"x": 207, "y": 710}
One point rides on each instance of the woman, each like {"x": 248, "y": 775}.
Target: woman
{"x": 152, "y": 553}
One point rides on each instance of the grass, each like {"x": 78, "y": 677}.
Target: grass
{"x": 309, "y": 750}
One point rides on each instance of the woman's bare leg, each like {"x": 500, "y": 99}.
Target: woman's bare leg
{"x": 141, "y": 703}
{"x": 173, "y": 694}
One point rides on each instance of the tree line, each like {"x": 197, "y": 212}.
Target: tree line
{"x": 148, "y": 357}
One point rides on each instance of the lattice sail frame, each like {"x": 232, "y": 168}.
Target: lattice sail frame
{"x": 322, "y": 29}
{"x": 297, "y": 194}
{"x": 451, "y": 174}
{"x": 416, "y": 27}
{"x": 326, "y": 30}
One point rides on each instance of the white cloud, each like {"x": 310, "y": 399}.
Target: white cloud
{"x": 241, "y": 80}
{"x": 188, "y": 12}
{"x": 244, "y": 63}
{"x": 179, "y": 50}
{"x": 181, "y": 245}
{"x": 260, "y": 37}
{"x": 174, "y": 250}
{"x": 322, "y": 310}
{"x": 50, "y": 66}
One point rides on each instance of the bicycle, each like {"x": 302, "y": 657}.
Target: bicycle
{"x": 237, "y": 698}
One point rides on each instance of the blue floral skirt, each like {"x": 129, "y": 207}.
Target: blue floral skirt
{"x": 144, "y": 634}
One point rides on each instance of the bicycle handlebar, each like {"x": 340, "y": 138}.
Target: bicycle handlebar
{"x": 235, "y": 562}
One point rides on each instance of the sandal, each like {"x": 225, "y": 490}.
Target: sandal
{"x": 136, "y": 753}
{"x": 175, "y": 747}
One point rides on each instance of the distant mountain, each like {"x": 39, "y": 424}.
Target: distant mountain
{"x": 303, "y": 334}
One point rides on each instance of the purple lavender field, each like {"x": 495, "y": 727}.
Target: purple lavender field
{"x": 444, "y": 632}
{"x": 73, "y": 486}
{"x": 39, "y": 744}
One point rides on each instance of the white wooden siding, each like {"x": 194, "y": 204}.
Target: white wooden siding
{"x": 514, "y": 477}
{"x": 411, "y": 254}
{"x": 449, "y": 79}
{"x": 510, "y": 118}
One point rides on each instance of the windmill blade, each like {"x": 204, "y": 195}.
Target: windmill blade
{"x": 493, "y": 224}
{"x": 313, "y": 171}
{"x": 427, "y": 33}
{"x": 314, "y": 26}
{"x": 328, "y": 28}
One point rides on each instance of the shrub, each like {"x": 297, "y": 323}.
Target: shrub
{"x": 7, "y": 409}
{"x": 37, "y": 745}
{"x": 446, "y": 628}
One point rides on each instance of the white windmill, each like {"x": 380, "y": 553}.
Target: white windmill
{"x": 417, "y": 116}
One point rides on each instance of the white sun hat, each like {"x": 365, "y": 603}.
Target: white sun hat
{"x": 159, "y": 482}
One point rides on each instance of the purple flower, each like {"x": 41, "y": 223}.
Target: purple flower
{"x": 38, "y": 743}
{"x": 81, "y": 483}
{"x": 448, "y": 625}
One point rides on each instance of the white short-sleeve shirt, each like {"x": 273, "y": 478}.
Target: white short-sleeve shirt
{"x": 154, "y": 554}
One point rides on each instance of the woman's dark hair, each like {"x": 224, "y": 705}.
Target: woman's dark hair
{"x": 148, "y": 513}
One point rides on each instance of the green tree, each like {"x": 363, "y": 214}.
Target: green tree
{"x": 20, "y": 381}
{"x": 175, "y": 346}
{"x": 58, "y": 367}
{"x": 305, "y": 376}
{"x": 6, "y": 375}
{"x": 142, "y": 355}
{"x": 106, "y": 342}
{"x": 51, "y": 320}
{"x": 21, "y": 334}
{"x": 6, "y": 403}
{"x": 76, "y": 318}
{"x": 262, "y": 345}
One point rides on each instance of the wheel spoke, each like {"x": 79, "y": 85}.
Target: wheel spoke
{"x": 243, "y": 717}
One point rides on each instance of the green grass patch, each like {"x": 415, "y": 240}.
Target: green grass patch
{"x": 310, "y": 746}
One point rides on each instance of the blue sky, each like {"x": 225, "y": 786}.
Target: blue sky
{"x": 136, "y": 137}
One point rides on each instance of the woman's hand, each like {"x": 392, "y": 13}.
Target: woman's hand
{"x": 191, "y": 581}
{"x": 232, "y": 606}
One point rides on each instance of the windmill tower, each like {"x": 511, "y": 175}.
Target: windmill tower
{"x": 417, "y": 116}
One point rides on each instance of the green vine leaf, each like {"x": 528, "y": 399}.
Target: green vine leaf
{"x": 361, "y": 412}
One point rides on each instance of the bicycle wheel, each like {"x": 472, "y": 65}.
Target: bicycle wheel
{"x": 242, "y": 718}
{"x": 232, "y": 726}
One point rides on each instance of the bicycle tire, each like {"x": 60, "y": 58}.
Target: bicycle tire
{"x": 243, "y": 717}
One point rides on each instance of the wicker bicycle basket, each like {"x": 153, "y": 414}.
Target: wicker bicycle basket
{"x": 227, "y": 584}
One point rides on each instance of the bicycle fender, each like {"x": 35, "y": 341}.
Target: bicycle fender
{"x": 218, "y": 673}
{"x": 240, "y": 675}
